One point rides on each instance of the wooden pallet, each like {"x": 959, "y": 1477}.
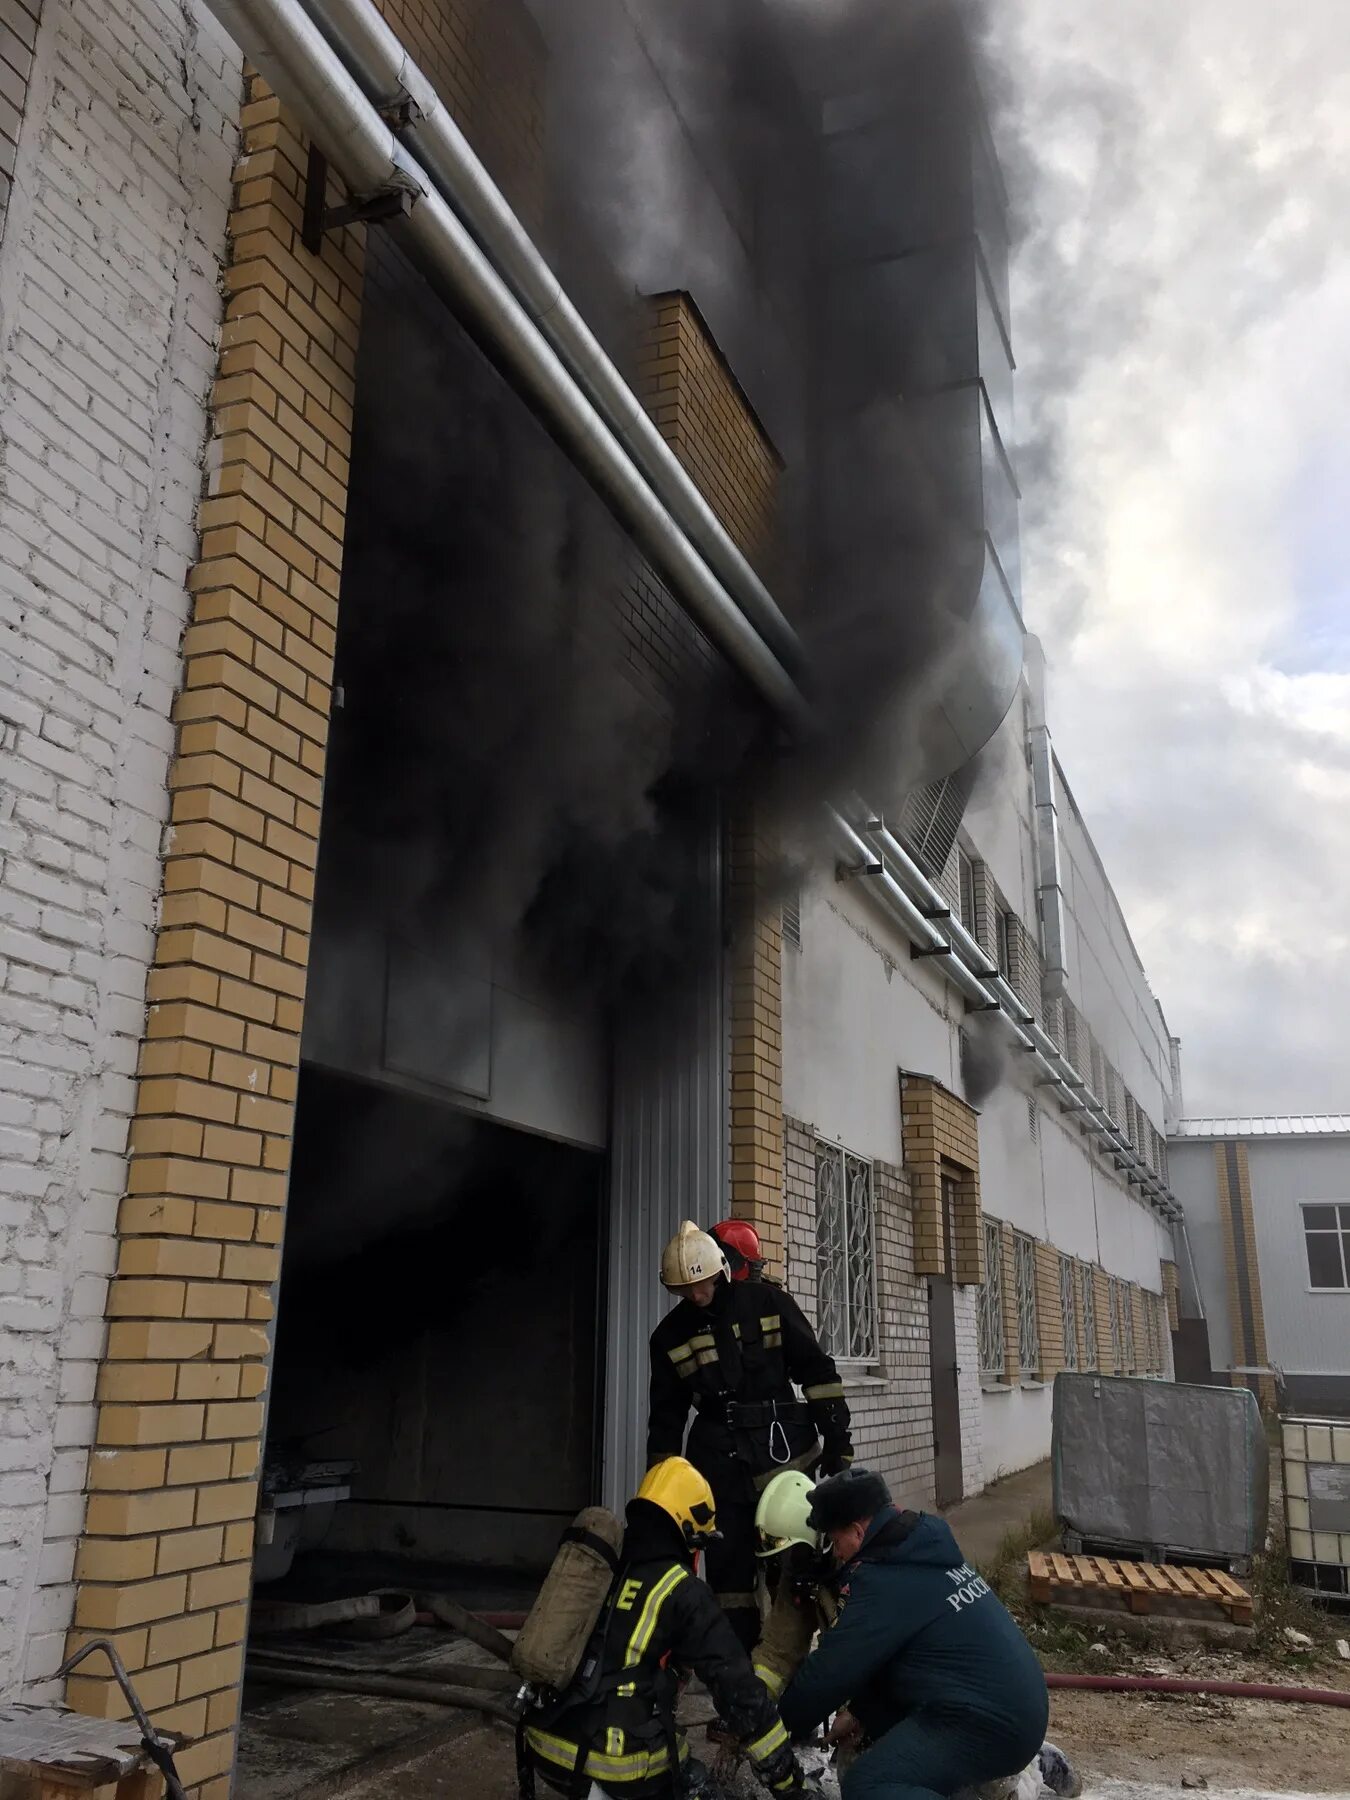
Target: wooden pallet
{"x": 1162, "y": 1588}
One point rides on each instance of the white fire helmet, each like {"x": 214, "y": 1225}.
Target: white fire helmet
{"x": 692, "y": 1255}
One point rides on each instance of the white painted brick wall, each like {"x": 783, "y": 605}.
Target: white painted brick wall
{"x": 110, "y": 308}
{"x": 970, "y": 1393}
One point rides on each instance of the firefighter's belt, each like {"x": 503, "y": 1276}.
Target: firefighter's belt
{"x": 755, "y": 1415}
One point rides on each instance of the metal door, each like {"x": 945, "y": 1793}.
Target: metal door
{"x": 948, "y": 1474}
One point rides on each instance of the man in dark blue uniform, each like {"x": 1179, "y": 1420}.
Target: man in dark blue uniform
{"x": 945, "y": 1690}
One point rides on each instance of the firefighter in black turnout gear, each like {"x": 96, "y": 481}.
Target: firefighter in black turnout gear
{"x": 615, "y": 1724}
{"x": 732, "y": 1350}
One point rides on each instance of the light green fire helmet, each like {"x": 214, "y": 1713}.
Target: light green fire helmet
{"x": 782, "y": 1514}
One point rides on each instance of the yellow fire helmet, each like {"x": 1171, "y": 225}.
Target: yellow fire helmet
{"x": 692, "y": 1255}
{"x": 782, "y": 1517}
{"x": 683, "y": 1495}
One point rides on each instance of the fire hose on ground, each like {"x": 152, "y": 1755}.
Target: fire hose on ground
{"x": 1181, "y": 1684}
{"x": 478, "y": 1689}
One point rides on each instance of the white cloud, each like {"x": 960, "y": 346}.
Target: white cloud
{"x": 1182, "y": 303}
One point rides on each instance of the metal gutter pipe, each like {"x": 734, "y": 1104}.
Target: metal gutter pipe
{"x": 920, "y": 931}
{"x": 285, "y": 44}
{"x": 1050, "y": 1057}
{"x": 420, "y": 119}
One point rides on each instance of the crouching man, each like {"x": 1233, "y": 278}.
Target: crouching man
{"x": 615, "y": 1725}
{"x": 928, "y": 1674}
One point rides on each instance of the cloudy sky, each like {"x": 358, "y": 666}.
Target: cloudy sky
{"x": 1183, "y": 333}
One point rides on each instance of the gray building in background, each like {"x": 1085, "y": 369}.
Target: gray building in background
{"x": 1265, "y": 1293}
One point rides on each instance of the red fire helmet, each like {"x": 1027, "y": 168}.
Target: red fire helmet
{"x": 740, "y": 1240}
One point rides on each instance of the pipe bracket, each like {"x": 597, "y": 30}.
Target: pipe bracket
{"x": 392, "y": 202}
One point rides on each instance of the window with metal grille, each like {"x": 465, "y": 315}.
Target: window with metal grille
{"x": 1326, "y": 1242}
{"x": 1127, "y": 1293}
{"x": 845, "y": 1254}
{"x": 1113, "y": 1309}
{"x": 1087, "y": 1293}
{"x": 792, "y": 919}
{"x": 1033, "y": 1120}
{"x": 965, "y": 887}
{"x": 1028, "y": 1325}
{"x": 931, "y": 818}
{"x": 1068, "y": 1312}
{"x": 993, "y": 1354}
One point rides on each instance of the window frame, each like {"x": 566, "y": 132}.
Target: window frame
{"x": 1068, "y": 1312}
{"x": 1339, "y": 1235}
{"x": 846, "y": 1352}
{"x": 991, "y": 1296}
{"x": 1028, "y": 1308}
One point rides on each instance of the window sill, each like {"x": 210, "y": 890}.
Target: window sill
{"x": 994, "y": 1387}
{"x": 1032, "y": 1387}
{"x": 861, "y": 1379}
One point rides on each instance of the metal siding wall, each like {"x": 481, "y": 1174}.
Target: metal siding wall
{"x": 1306, "y": 1333}
{"x": 668, "y": 1162}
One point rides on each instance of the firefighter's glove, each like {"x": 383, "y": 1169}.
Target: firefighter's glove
{"x": 834, "y": 1462}
{"x": 782, "y": 1774}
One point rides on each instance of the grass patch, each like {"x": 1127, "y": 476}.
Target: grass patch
{"x": 1006, "y": 1569}
{"x": 1280, "y": 1608}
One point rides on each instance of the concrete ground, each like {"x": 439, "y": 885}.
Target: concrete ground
{"x": 981, "y": 1524}
{"x": 1142, "y": 1790}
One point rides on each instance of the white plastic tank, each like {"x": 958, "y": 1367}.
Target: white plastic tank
{"x": 1316, "y": 1459}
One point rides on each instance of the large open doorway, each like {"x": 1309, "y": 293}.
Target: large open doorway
{"x": 439, "y": 1333}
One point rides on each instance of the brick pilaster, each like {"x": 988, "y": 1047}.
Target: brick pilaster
{"x": 1172, "y": 1295}
{"x": 705, "y": 417}
{"x": 164, "y": 1567}
{"x": 941, "y": 1137}
{"x": 1050, "y": 1314}
{"x": 1101, "y": 1292}
{"x": 1012, "y": 1348}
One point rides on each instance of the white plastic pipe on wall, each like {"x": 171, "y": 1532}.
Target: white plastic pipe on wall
{"x": 285, "y": 44}
{"x": 392, "y": 80}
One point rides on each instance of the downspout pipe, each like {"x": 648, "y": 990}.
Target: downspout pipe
{"x": 285, "y": 44}
{"x": 390, "y": 79}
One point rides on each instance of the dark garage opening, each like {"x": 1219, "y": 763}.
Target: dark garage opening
{"x": 438, "y": 1328}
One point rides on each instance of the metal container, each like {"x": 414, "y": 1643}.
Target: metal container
{"x": 1160, "y": 1469}
{"x": 1316, "y": 1455}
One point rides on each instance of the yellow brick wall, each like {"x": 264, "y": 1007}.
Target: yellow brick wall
{"x": 704, "y": 416}
{"x": 941, "y": 1135}
{"x": 1143, "y": 1360}
{"x": 708, "y": 422}
{"x": 1265, "y": 1385}
{"x": 1106, "y": 1360}
{"x": 757, "y": 1167}
{"x": 1172, "y": 1295}
{"x": 1011, "y": 1345}
{"x": 486, "y": 59}
{"x": 164, "y": 1567}
{"x": 1049, "y": 1313}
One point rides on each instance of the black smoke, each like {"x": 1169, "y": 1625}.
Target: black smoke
{"x": 504, "y": 763}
